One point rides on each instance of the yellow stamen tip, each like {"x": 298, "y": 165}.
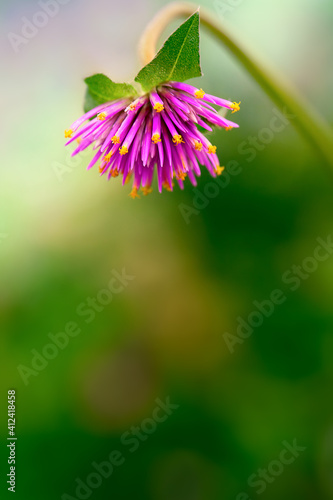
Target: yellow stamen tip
{"x": 115, "y": 173}
{"x": 68, "y": 133}
{"x": 79, "y": 140}
{"x": 229, "y": 128}
{"x": 235, "y": 106}
{"x": 115, "y": 139}
{"x": 198, "y": 145}
{"x": 158, "y": 107}
{"x": 219, "y": 170}
{"x": 123, "y": 150}
{"x": 199, "y": 94}
{"x": 146, "y": 190}
{"x": 156, "y": 138}
{"x": 128, "y": 178}
{"x": 166, "y": 185}
{"x": 132, "y": 107}
{"x": 101, "y": 116}
{"x": 134, "y": 193}
{"x": 101, "y": 169}
{"x": 177, "y": 139}
{"x": 181, "y": 176}
{"x": 212, "y": 149}
{"x": 107, "y": 157}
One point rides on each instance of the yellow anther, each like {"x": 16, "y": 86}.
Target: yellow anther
{"x": 177, "y": 139}
{"x": 158, "y": 107}
{"x": 219, "y": 170}
{"x": 107, "y": 157}
{"x": 198, "y": 145}
{"x": 101, "y": 116}
{"x": 212, "y": 149}
{"x": 146, "y": 190}
{"x": 199, "y": 94}
{"x": 123, "y": 150}
{"x": 101, "y": 169}
{"x": 235, "y": 106}
{"x": 181, "y": 176}
{"x": 132, "y": 107}
{"x": 68, "y": 133}
{"x": 128, "y": 178}
{"x": 167, "y": 186}
{"x": 115, "y": 139}
{"x": 79, "y": 140}
{"x": 134, "y": 193}
{"x": 229, "y": 128}
{"x": 115, "y": 173}
{"x": 156, "y": 138}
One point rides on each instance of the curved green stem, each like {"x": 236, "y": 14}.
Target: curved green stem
{"x": 308, "y": 121}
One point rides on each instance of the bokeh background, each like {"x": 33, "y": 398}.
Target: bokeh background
{"x": 64, "y": 234}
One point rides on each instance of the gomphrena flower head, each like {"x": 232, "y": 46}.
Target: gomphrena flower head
{"x": 157, "y": 132}
{"x": 160, "y": 130}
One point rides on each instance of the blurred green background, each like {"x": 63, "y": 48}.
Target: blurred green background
{"x": 163, "y": 336}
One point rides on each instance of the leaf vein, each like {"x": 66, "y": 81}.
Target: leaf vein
{"x": 178, "y": 56}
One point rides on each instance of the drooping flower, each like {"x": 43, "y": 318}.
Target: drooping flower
{"x": 156, "y": 131}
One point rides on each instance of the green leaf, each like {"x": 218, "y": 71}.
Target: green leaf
{"x": 178, "y": 59}
{"x": 101, "y": 89}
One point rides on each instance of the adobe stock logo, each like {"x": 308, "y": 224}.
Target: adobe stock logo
{"x": 293, "y": 277}
{"x": 225, "y": 7}
{"x": 30, "y": 28}
{"x": 87, "y": 309}
{"x": 133, "y": 438}
{"x": 70, "y": 162}
{"x": 264, "y": 477}
{"x": 250, "y": 148}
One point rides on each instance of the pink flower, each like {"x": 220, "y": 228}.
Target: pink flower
{"x": 158, "y": 129}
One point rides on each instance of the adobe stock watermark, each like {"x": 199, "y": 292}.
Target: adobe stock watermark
{"x": 57, "y": 342}
{"x": 201, "y": 199}
{"x": 257, "y": 143}
{"x": 130, "y": 442}
{"x": 293, "y": 277}
{"x": 30, "y": 27}
{"x": 263, "y": 477}
{"x": 248, "y": 148}
{"x": 71, "y": 162}
{"x": 226, "y": 7}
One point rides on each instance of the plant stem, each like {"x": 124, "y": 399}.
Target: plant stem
{"x": 308, "y": 121}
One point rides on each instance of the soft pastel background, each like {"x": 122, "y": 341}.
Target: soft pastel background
{"x": 163, "y": 335}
